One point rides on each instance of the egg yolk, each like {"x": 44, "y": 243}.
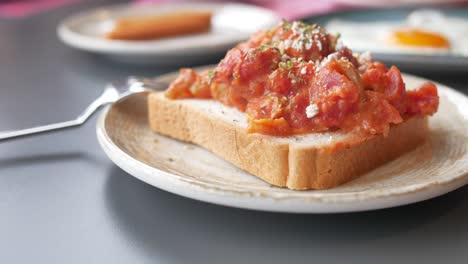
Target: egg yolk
{"x": 416, "y": 37}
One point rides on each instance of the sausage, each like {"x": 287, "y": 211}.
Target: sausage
{"x": 155, "y": 27}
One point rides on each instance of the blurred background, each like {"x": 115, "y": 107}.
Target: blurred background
{"x": 375, "y": 20}
{"x": 290, "y": 9}
{"x": 63, "y": 201}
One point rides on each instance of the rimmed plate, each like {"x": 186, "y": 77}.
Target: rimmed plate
{"x": 231, "y": 23}
{"x": 439, "y": 166}
{"x": 421, "y": 62}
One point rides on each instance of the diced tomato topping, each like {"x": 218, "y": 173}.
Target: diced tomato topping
{"x": 375, "y": 78}
{"x": 180, "y": 88}
{"x": 423, "y": 101}
{"x": 374, "y": 116}
{"x": 296, "y": 79}
{"x": 266, "y": 108}
{"x": 297, "y": 107}
{"x": 395, "y": 92}
{"x": 278, "y": 127}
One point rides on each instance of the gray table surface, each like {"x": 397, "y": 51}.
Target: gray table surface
{"x": 63, "y": 201}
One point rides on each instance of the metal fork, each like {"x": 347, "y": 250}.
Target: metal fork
{"x": 112, "y": 93}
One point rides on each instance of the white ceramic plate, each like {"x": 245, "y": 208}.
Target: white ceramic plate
{"x": 439, "y": 166}
{"x": 231, "y": 23}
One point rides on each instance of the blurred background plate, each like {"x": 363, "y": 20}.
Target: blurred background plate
{"x": 404, "y": 60}
{"x": 85, "y": 31}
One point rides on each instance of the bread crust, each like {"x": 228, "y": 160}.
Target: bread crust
{"x": 283, "y": 163}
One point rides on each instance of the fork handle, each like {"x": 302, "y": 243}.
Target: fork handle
{"x": 38, "y": 130}
{"x": 104, "y": 99}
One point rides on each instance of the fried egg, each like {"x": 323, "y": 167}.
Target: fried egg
{"x": 423, "y": 32}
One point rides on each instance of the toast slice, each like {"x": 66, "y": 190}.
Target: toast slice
{"x": 310, "y": 161}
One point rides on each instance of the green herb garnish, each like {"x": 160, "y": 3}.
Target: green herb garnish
{"x": 211, "y": 75}
{"x": 286, "y": 24}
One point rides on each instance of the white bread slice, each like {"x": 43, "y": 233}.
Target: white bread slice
{"x": 311, "y": 161}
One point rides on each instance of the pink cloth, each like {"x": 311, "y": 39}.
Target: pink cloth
{"x": 22, "y": 8}
{"x": 289, "y": 9}
{"x": 293, "y": 9}
{"x": 285, "y": 8}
